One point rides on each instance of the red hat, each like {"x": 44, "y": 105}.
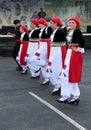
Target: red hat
{"x": 35, "y": 21}
{"x": 43, "y": 21}
{"x": 57, "y": 20}
{"x": 75, "y": 20}
{"x": 24, "y": 28}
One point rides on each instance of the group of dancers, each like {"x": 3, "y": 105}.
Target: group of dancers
{"x": 54, "y": 51}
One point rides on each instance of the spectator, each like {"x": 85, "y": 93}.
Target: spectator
{"x": 41, "y": 13}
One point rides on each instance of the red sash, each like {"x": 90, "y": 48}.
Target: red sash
{"x": 18, "y": 40}
{"x": 75, "y": 69}
{"x": 63, "y": 50}
{"x": 23, "y": 52}
{"x": 48, "y": 47}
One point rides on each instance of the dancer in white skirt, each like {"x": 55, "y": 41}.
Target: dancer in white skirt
{"x": 57, "y": 53}
{"x": 41, "y": 56}
{"x": 71, "y": 74}
{"x": 33, "y": 45}
{"x": 23, "y": 49}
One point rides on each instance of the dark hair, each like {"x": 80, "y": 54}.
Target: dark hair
{"x": 16, "y": 21}
{"x": 41, "y": 8}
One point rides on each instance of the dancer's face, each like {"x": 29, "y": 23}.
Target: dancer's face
{"x": 72, "y": 25}
{"x": 41, "y": 25}
{"x": 33, "y": 26}
{"x": 53, "y": 25}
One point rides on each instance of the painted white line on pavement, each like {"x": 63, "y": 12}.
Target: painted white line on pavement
{"x": 74, "y": 123}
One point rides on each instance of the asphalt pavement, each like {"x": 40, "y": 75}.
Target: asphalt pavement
{"x": 25, "y": 105}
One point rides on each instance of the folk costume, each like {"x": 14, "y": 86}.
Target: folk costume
{"x": 33, "y": 44}
{"x": 71, "y": 74}
{"x": 23, "y": 49}
{"x": 57, "y": 53}
{"x": 41, "y": 56}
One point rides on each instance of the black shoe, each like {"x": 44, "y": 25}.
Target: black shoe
{"x": 18, "y": 68}
{"x": 65, "y": 101}
{"x": 56, "y": 92}
{"x": 45, "y": 83}
{"x": 37, "y": 77}
{"x": 37, "y": 70}
{"x": 24, "y": 72}
{"x": 76, "y": 101}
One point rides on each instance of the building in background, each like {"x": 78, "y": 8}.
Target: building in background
{"x": 19, "y": 9}
{"x": 68, "y": 8}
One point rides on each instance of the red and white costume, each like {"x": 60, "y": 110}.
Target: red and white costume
{"x": 23, "y": 48}
{"x": 57, "y": 53}
{"x": 40, "y": 58}
{"x": 33, "y": 44}
{"x": 71, "y": 75}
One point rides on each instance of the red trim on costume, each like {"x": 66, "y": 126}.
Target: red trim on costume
{"x": 18, "y": 40}
{"x": 23, "y": 53}
{"x": 48, "y": 45}
{"x": 75, "y": 68}
{"x": 27, "y": 55}
{"x": 37, "y": 54}
{"x": 49, "y": 63}
{"x": 63, "y": 50}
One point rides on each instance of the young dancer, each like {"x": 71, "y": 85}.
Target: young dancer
{"x": 23, "y": 49}
{"x": 71, "y": 74}
{"x": 40, "y": 58}
{"x": 57, "y": 53}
